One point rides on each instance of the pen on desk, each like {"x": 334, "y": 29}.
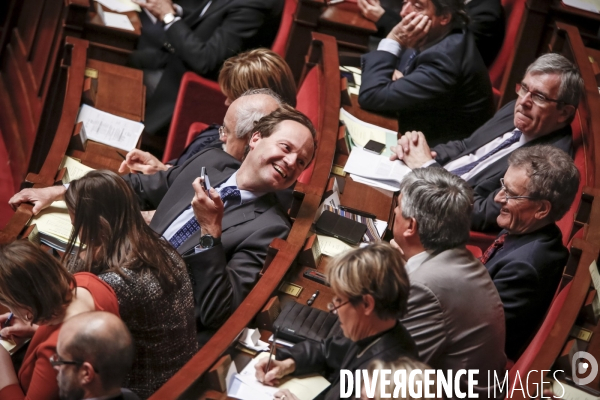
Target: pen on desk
{"x": 358, "y": 212}
{"x": 312, "y": 298}
{"x": 7, "y": 322}
{"x": 121, "y": 155}
{"x": 272, "y": 350}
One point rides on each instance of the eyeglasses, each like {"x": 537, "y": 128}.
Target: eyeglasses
{"x": 56, "y": 361}
{"x": 538, "y": 98}
{"x": 334, "y": 309}
{"x": 222, "y": 132}
{"x": 507, "y": 197}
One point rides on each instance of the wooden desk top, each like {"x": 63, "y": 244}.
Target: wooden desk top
{"x": 121, "y": 90}
{"x": 348, "y": 16}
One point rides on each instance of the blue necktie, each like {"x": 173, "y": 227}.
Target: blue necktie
{"x": 409, "y": 62}
{"x": 229, "y": 193}
{"x": 466, "y": 168}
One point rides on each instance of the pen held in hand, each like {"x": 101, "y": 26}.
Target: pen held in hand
{"x": 272, "y": 350}
{"x": 8, "y": 320}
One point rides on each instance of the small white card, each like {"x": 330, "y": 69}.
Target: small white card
{"x": 119, "y": 21}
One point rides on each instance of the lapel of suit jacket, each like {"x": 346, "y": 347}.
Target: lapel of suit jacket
{"x": 216, "y": 178}
{"x": 504, "y": 124}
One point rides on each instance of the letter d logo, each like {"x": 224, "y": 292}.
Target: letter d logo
{"x": 582, "y": 367}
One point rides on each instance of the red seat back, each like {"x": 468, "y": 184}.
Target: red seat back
{"x": 309, "y": 103}
{"x": 280, "y": 43}
{"x": 523, "y": 364}
{"x": 514, "y": 10}
{"x": 566, "y": 222}
{"x": 199, "y": 100}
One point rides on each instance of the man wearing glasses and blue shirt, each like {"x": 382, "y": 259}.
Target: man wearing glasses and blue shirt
{"x": 527, "y": 259}
{"x": 548, "y": 98}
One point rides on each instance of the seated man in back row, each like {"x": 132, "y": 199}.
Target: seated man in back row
{"x": 548, "y": 98}
{"x": 198, "y": 38}
{"x": 527, "y": 259}
{"x": 429, "y": 72}
{"x": 225, "y": 233}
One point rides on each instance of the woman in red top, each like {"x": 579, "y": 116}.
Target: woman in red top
{"x": 39, "y": 290}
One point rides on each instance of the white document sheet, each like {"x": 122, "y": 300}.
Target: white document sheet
{"x": 110, "y": 129}
{"x": 366, "y": 164}
{"x": 587, "y": 5}
{"x": 244, "y": 385}
{"x": 120, "y": 5}
{"x": 120, "y": 21}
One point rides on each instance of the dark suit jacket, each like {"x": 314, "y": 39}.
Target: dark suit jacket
{"x": 202, "y": 44}
{"x": 487, "y": 24}
{"x": 526, "y": 272}
{"x": 225, "y": 274}
{"x": 339, "y": 352}
{"x": 446, "y": 92}
{"x": 487, "y": 183}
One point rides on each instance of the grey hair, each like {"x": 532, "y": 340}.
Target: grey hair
{"x": 248, "y": 116}
{"x": 571, "y": 83}
{"x": 441, "y": 203}
{"x": 552, "y": 174}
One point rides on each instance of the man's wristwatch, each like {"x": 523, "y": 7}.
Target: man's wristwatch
{"x": 168, "y": 18}
{"x": 208, "y": 241}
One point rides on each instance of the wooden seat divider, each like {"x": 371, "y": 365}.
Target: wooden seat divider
{"x": 188, "y": 383}
{"x": 71, "y": 77}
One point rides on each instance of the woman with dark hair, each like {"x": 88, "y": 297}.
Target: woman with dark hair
{"x": 39, "y": 291}
{"x": 149, "y": 277}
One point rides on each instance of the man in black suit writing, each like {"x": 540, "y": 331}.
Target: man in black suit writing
{"x": 224, "y": 234}
{"x": 429, "y": 72}
{"x": 197, "y": 38}
{"x": 548, "y": 98}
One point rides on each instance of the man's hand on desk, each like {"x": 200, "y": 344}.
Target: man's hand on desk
{"x": 412, "y": 31}
{"x": 17, "y": 329}
{"x": 371, "y": 9}
{"x": 158, "y": 8}
{"x": 208, "y": 209}
{"x": 40, "y": 197}
{"x": 141, "y": 161}
{"x": 413, "y": 149}
{"x": 277, "y": 370}
{"x": 285, "y": 394}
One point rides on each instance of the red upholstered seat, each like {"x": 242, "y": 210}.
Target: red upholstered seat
{"x": 199, "y": 99}
{"x": 289, "y": 9}
{"x": 309, "y": 102}
{"x": 523, "y": 364}
{"x": 514, "y": 10}
{"x": 566, "y": 222}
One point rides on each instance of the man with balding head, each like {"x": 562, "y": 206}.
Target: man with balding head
{"x": 94, "y": 353}
{"x": 232, "y": 136}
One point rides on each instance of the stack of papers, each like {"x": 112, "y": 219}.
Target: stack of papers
{"x": 244, "y": 385}
{"x": 358, "y": 133}
{"x": 75, "y": 169}
{"x": 9, "y": 345}
{"x": 53, "y": 227}
{"x": 109, "y": 129}
{"x": 375, "y": 170}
